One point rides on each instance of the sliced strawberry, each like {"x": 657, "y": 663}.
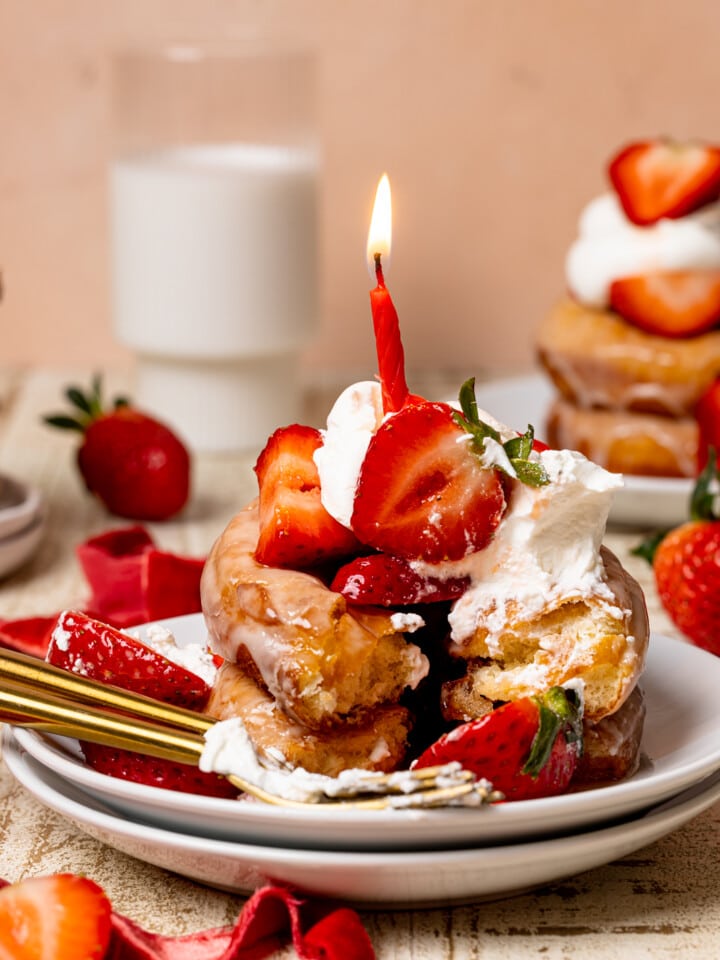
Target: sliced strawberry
{"x": 527, "y": 748}
{"x": 422, "y": 492}
{"x": 101, "y": 652}
{"x": 381, "y": 580}
{"x": 155, "y": 771}
{"x": 59, "y": 917}
{"x": 295, "y": 529}
{"x": 707, "y": 414}
{"x": 663, "y": 178}
{"x": 681, "y": 304}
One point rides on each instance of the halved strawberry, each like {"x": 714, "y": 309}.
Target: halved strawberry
{"x": 527, "y": 748}
{"x": 422, "y": 491}
{"x": 156, "y": 772}
{"x": 382, "y": 580}
{"x": 295, "y": 528}
{"x": 707, "y": 414}
{"x": 96, "y": 650}
{"x": 663, "y": 178}
{"x": 679, "y": 304}
{"x": 58, "y": 917}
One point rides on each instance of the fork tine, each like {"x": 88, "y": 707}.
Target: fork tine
{"x": 38, "y": 695}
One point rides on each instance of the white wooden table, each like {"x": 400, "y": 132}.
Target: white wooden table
{"x": 663, "y": 901}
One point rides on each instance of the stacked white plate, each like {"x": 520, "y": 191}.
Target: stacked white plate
{"x": 22, "y": 523}
{"x": 404, "y": 858}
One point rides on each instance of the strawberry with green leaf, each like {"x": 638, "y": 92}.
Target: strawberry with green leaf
{"x": 527, "y": 748}
{"x": 686, "y": 564}
{"x": 133, "y": 463}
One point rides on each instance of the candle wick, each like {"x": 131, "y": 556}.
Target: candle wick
{"x": 379, "y": 270}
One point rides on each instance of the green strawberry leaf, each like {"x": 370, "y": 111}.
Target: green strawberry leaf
{"x": 648, "y": 547}
{"x": 64, "y": 422}
{"x": 518, "y": 449}
{"x": 559, "y": 709}
{"x": 705, "y": 495}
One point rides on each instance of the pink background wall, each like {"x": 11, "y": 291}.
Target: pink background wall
{"x": 494, "y": 119}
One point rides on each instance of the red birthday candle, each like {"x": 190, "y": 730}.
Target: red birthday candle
{"x": 390, "y": 354}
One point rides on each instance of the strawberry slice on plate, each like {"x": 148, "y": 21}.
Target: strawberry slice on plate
{"x": 678, "y": 304}
{"x": 385, "y": 581}
{"x": 156, "y": 772}
{"x": 422, "y": 492}
{"x": 58, "y": 917}
{"x": 96, "y": 650}
{"x": 664, "y": 178}
{"x": 527, "y": 748}
{"x": 295, "y": 528}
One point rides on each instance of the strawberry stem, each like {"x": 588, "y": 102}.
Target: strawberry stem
{"x": 518, "y": 449}
{"x": 559, "y": 709}
{"x": 705, "y": 495}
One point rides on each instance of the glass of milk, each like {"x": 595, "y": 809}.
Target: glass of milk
{"x": 213, "y": 192}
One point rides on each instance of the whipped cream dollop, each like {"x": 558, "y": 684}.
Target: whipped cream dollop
{"x": 610, "y": 247}
{"x": 545, "y": 551}
{"x": 355, "y": 417}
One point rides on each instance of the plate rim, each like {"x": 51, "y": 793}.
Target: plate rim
{"x": 606, "y": 844}
{"x": 498, "y": 824}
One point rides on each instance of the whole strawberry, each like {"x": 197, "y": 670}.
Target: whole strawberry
{"x": 686, "y": 564}
{"x": 136, "y": 465}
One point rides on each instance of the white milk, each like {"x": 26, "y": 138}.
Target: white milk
{"x": 215, "y": 284}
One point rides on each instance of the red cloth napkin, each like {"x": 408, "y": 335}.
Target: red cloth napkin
{"x": 131, "y": 581}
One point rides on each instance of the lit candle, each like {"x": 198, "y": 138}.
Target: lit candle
{"x": 390, "y": 354}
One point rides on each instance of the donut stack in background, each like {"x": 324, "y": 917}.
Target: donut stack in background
{"x": 634, "y": 349}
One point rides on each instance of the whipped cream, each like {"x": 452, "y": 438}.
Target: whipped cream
{"x": 609, "y": 247}
{"x": 194, "y": 657}
{"x": 354, "y": 418}
{"x": 229, "y": 750}
{"x": 545, "y": 551}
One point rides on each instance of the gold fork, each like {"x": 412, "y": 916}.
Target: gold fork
{"x": 38, "y": 695}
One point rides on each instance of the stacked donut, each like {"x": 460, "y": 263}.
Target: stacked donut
{"x": 404, "y": 573}
{"x": 634, "y": 351}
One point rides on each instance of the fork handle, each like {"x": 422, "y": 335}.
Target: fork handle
{"x": 23, "y": 707}
{"x": 18, "y": 668}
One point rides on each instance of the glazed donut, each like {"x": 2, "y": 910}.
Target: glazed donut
{"x": 625, "y": 442}
{"x": 591, "y": 641}
{"x": 322, "y": 661}
{"x": 596, "y": 359}
{"x": 611, "y": 747}
{"x": 375, "y": 741}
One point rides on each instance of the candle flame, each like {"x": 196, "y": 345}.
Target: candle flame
{"x": 380, "y": 232}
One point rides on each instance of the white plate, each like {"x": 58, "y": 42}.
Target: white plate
{"x": 391, "y": 879}
{"x": 653, "y": 501}
{"x": 681, "y": 742}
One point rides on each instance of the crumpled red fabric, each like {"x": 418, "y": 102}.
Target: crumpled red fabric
{"x": 273, "y": 917}
{"x": 131, "y": 581}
